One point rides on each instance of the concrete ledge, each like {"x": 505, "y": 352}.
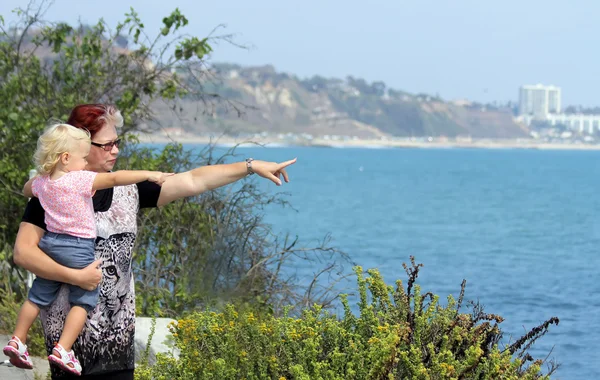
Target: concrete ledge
{"x": 162, "y": 341}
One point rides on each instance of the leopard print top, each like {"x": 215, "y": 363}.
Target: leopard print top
{"x": 106, "y": 343}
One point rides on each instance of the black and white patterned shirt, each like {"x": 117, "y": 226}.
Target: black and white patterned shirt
{"x": 106, "y": 343}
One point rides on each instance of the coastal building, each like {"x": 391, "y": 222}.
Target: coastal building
{"x": 538, "y": 100}
{"x": 543, "y": 103}
{"x": 586, "y": 124}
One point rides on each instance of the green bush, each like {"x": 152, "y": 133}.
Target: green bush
{"x": 9, "y": 309}
{"x": 399, "y": 333}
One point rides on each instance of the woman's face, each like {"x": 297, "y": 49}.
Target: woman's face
{"x": 100, "y": 160}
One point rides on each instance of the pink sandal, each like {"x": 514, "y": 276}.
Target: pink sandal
{"x": 66, "y": 361}
{"x": 19, "y": 357}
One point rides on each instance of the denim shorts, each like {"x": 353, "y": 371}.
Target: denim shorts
{"x": 72, "y": 252}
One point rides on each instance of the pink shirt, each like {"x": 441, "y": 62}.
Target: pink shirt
{"x": 67, "y": 202}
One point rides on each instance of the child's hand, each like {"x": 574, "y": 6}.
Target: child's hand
{"x": 159, "y": 177}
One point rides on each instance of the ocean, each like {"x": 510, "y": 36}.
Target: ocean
{"x": 521, "y": 226}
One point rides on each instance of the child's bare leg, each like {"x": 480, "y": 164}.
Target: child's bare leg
{"x": 27, "y": 315}
{"x": 73, "y": 326}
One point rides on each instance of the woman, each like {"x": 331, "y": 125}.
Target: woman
{"x": 106, "y": 345}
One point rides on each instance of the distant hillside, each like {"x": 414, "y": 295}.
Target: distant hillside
{"x": 277, "y": 102}
{"x": 283, "y": 103}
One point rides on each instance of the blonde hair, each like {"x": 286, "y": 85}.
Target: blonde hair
{"x": 56, "y": 140}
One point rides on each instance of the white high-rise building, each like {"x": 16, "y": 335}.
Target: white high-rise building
{"x": 542, "y": 104}
{"x": 538, "y": 101}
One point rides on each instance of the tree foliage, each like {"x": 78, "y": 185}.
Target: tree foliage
{"x": 213, "y": 247}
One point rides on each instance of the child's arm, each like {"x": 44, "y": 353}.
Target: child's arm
{"x": 27, "y": 188}
{"x": 127, "y": 177}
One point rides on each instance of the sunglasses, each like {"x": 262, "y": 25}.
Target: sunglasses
{"x": 109, "y": 145}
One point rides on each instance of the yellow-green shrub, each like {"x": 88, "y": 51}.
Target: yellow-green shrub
{"x": 398, "y": 334}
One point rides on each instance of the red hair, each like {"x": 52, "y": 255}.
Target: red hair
{"x": 94, "y": 116}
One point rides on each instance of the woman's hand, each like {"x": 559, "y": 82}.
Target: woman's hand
{"x": 158, "y": 177}
{"x": 272, "y": 170}
{"x": 28, "y": 255}
{"x": 89, "y": 277}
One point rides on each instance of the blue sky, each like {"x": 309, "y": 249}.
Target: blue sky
{"x": 480, "y": 50}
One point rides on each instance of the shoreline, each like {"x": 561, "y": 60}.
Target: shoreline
{"x": 367, "y": 144}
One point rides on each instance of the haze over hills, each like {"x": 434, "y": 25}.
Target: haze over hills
{"x": 283, "y": 103}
